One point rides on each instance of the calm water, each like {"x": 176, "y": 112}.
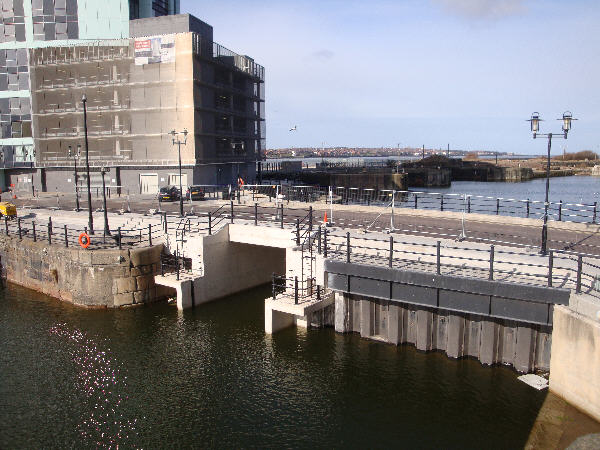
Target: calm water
{"x": 152, "y": 377}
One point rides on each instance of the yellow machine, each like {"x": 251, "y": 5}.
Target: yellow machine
{"x": 8, "y": 209}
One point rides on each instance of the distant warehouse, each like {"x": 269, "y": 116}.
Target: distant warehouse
{"x": 167, "y": 74}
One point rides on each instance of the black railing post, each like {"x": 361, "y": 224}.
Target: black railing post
{"x": 560, "y": 211}
{"x": 491, "y": 262}
{"x": 19, "y": 226}
{"x": 416, "y": 196}
{"x": 177, "y": 263}
{"x": 441, "y": 202}
{"x": 325, "y": 242}
{"x": 231, "y": 205}
{"x": 550, "y": 266}
{"x": 166, "y": 224}
{"x": 209, "y": 223}
{"x": 296, "y": 290}
{"x": 497, "y": 206}
{"x": 6, "y": 224}
{"x": 310, "y": 218}
{"x": 281, "y": 216}
{"x": 297, "y": 231}
{"x": 595, "y": 207}
{"x": 579, "y": 267}
{"x": 150, "y": 235}
{"x": 273, "y": 285}
{"x": 120, "y": 238}
{"x": 66, "y": 237}
{"x": 439, "y": 257}
{"x": 391, "y": 256}
{"x": 528, "y": 208}
{"x": 255, "y": 212}
{"x": 318, "y": 293}
{"x": 50, "y": 230}
{"x": 348, "y": 247}
{"x": 469, "y": 204}
{"x": 319, "y": 241}
{"x": 34, "y": 235}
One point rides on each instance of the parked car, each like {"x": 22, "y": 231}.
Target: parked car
{"x": 195, "y": 193}
{"x": 168, "y": 194}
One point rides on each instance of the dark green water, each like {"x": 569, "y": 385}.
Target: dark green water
{"x": 152, "y": 377}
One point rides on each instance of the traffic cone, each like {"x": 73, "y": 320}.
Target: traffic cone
{"x": 325, "y": 219}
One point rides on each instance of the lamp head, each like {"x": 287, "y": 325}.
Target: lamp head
{"x": 535, "y": 123}
{"x": 84, "y": 98}
{"x": 567, "y": 118}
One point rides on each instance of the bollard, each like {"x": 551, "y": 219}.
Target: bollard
{"x": 560, "y": 211}
{"x": 416, "y": 196}
{"x": 391, "y": 258}
{"x": 66, "y": 237}
{"x": 550, "y": 266}
{"x": 439, "y": 258}
{"x": 49, "y": 230}
{"x": 209, "y": 223}
{"x": 231, "y": 202}
{"x": 34, "y": 235}
{"x": 348, "y": 247}
{"x": 497, "y": 206}
{"x": 491, "y": 262}
{"x": 255, "y": 212}
{"x": 319, "y": 241}
{"x": 297, "y": 231}
{"x": 296, "y": 290}
{"x": 19, "y": 225}
{"x": 579, "y": 266}
{"x": 325, "y": 242}
{"x": 119, "y": 238}
{"x": 149, "y": 234}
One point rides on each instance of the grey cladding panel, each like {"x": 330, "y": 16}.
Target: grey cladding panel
{"x": 371, "y": 288}
{"x": 414, "y": 294}
{"x": 337, "y": 282}
{"x": 519, "y": 310}
{"x": 463, "y": 301}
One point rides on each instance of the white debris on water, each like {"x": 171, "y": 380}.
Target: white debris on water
{"x": 534, "y": 381}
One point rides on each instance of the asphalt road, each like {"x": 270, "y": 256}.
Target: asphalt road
{"x": 443, "y": 228}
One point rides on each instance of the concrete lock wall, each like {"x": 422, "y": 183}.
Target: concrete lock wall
{"x": 491, "y": 341}
{"x": 94, "y": 278}
{"x": 575, "y": 362}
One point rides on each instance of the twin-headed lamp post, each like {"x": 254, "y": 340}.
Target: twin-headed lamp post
{"x": 535, "y": 120}
{"x": 176, "y": 140}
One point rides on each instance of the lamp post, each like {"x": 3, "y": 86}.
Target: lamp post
{"x": 87, "y": 166}
{"x": 103, "y": 171}
{"x": 535, "y": 120}
{"x": 178, "y": 141}
{"x": 75, "y": 157}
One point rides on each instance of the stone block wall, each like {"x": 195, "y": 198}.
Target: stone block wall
{"x": 93, "y": 278}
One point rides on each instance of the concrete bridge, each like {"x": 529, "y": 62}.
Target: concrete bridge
{"x": 499, "y": 303}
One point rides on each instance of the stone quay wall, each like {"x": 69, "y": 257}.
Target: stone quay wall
{"x": 93, "y": 278}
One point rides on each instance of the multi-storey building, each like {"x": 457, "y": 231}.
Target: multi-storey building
{"x": 162, "y": 73}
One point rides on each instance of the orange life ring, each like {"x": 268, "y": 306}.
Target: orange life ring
{"x": 87, "y": 240}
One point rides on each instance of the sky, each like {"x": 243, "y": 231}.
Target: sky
{"x": 384, "y": 73}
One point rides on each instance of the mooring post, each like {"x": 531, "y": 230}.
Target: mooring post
{"x": 579, "y": 267}
{"x": 297, "y": 231}
{"x": 231, "y": 206}
{"x": 119, "y": 237}
{"x": 19, "y": 226}
{"x": 149, "y": 235}
{"x": 209, "y": 223}
{"x": 439, "y": 257}
{"x": 560, "y": 211}
{"x": 325, "y": 242}
{"x": 310, "y": 218}
{"x": 497, "y": 206}
{"x": 296, "y": 290}
{"x": 550, "y": 266}
{"x": 34, "y": 235}
{"x": 348, "y": 247}
{"x": 255, "y": 212}
{"x": 492, "y": 262}
{"x": 49, "y": 230}
{"x": 319, "y": 241}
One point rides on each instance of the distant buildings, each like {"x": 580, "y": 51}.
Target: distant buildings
{"x": 142, "y": 78}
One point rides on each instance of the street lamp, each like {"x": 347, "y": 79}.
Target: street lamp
{"x": 178, "y": 141}
{"x": 87, "y": 166}
{"x": 103, "y": 171}
{"x": 75, "y": 157}
{"x": 535, "y": 120}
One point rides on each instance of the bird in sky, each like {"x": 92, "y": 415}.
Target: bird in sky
{"x": 294, "y": 128}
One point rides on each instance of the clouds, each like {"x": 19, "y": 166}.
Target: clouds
{"x": 483, "y": 9}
